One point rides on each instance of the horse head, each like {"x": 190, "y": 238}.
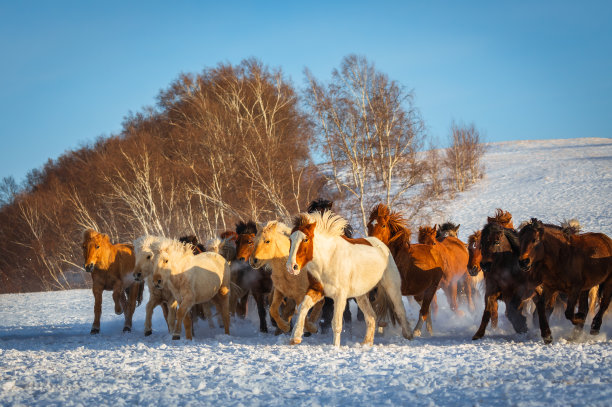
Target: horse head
{"x": 475, "y": 256}
{"x": 320, "y": 205}
{"x": 389, "y": 227}
{"x": 95, "y": 249}
{"x": 427, "y": 235}
{"x": 144, "y": 257}
{"x": 301, "y": 250}
{"x": 447, "y": 229}
{"x": 501, "y": 217}
{"x": 530, "y": 248}
{"x": 272, "y": 241}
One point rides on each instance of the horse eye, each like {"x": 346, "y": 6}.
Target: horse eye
{"x": 148, "y": 257}
{"x": 533, "y": 241}
{"x": 305, "y": 239}
{"x": 165, "y": 261}
{"x": 267, "y": 242}
{"x": 97, "y": 246}
{"x": 383, "y": 226}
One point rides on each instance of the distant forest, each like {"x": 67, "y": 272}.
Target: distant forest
{"x": 233, "y": 142}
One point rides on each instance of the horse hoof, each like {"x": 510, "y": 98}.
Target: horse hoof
{"x": 295, "y": 341}
{"x": 367, "y": 343}
{"x": 264, "y": 330}
{"x": 176, "y": 337}
{"x": 94, "y": 331}
{"x": 594, "y": 331}
{"x": 476, "y": 337}
{"x": 127, "y": 329}
{"x": 278, "y": 331}
{"x": 148, "y": 333}
{"x": 307, "y": 334}
{"x": 417, "y": 332}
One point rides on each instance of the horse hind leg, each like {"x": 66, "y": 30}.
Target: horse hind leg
{"x": 370, "y": 318}
{"x": 261, "y": 311}
{"x": 339, "y": 305}
{"x": 605, "y": 295}
{"x": 391, "y": 283}
{"x": 133, "y": 292}
{"x": 490, "y": 300}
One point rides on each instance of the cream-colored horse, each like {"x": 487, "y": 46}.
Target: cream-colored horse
{"x": 271, "y": 248}
{"x": 343, "y": 268}
{"x": 192, "y": 280}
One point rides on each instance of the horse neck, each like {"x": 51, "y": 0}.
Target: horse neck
{"x": 108, "y": 258}
{"x": 324, "y": 247}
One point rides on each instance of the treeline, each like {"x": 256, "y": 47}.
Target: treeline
{"x": 232, "y": 142}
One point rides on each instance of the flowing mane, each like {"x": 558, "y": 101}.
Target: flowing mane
{"x": 277, "y": 226}
{"x": 320, "y": 205}
{"x": 244, "y": 228}
{"x": 474, "y": 237}
{"x": 400, "y": 232}
{"x": 328, "y": 223}
{"x": 501, "y": 217}
{"x": 427, "y": 235}
{"x": 174, "y": 247}
{"x": 145, "y": 243}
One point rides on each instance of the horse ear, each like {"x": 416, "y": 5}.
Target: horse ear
{"x": 106, "y": 237}
{"x": 457, "y": 227}
{"x": 260, "y": 227}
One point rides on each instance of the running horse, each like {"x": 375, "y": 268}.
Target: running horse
{"x": 343, "y": 268}
{"x": 110, "y": 266}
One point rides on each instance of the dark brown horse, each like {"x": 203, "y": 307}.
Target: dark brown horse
{"x": 504, "y": 279}
{"x": 420, "y": 265}
{"x": 564, "y": 261}
{"x": 255, "y": 281}
{"x": 111, "y": 267}
{"x": 447, "y": 229}
{"x": 196, "y": 246}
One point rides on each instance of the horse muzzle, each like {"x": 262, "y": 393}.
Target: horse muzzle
{"x": 89, "y": 267}
{"x": 525, "y": 264}
{"x": 474, "y": 271}
{"x": 137, "y": 276}
{"x": 254, "y": 262}
{"x": 293, "y": 269}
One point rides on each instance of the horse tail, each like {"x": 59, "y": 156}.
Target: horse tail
{"x": 383, "y": 307}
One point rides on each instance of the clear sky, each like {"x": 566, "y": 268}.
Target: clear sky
{"x": 71, "y": 70}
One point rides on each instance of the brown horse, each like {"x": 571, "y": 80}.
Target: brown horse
{"x": 504, "y": 279}
{"x": 454, "y": 257}
{"x": 196, "y": 246}
{"x": 570, "y": 263}
{"x": 447, "y": 229}
{"x": 111, "y": 268}
{"x": 256, "y": 281}
{"x": 420, "y": 265}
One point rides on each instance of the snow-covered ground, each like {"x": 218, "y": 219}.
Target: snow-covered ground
{"x": 47, "y": 356}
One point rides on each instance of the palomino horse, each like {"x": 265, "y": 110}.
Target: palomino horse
{"x": 503, "y": 277}
{"x": 454, "y": 257}
{"x": 321, "y": 205}
{"x": 111, "y": 268}
{"x": 192, "y": 280}
{"x": 571, "y": 263}
{"x": 272, "y": 249}
{"x": 343, "y": 268}
{"x": 420, "y": 266}
{"x": 250, "y": 280}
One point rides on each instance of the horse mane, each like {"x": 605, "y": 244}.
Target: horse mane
{"x": 474, "y": 237}
{"x": 145, "y": 242}
{"x": 327, "y": 223}
{"x": 246, "y": 228}
{"x": 447, "y": 226}
{"x": 380, "y": 211}
{"x": 320, "y": 205}
{"x": 571, "y": 227}
{"x": 278, "y": 226}
{"x": 400, "y": 232}
{"x": 173, "y": 246}
{"x": 513, "y": 239}
{"x": 425, "y": 234}
{"x": 502, "y": 217}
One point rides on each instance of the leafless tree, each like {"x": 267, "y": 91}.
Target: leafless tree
{"x": 463, "y": 159}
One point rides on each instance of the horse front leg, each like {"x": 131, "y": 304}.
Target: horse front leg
{"x": 118, "y": 297}
{"x": 183, "y": 309}
{"x": 277, "y": 300}
{"x": 572, "y": 299}
{"x": 134, "y": 292}
{"x": 370, "y": 318}
{"x": 154, "y": 301}
{"x": 541, "y": 301}
{"x": 222, "y": 302}
{"x": 97, "y": 293}
{"x": 454, "y": 304}
{"x": 310, "y": 299}
{"x": 261, "y": 311}
{"x": 311, "y": 322}
{"x": 339, "y": 305}
{"x": 490, "y": 301}
{"x": 583, "y": 308}
{"x": 424, "y": 312}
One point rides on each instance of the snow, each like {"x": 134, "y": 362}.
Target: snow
{"x": 48, "y": 357}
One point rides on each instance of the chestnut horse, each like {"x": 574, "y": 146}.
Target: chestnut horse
{"x": 570, "y": 263}
{"x": 343, "y": 268}
{"x": 454, "y": 257}
{"x": 504, "y": 279}
{"x": 255, "y": 281}
{"x": 111, "y": 268}
{"x": 272, "y": 249}
{"x": 420, "y": 265}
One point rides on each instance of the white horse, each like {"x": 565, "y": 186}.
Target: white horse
{"x": 192, "y": 280}
{"x": 343, "y": 268}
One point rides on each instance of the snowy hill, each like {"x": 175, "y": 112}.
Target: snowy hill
{"x": 47, "y": 356}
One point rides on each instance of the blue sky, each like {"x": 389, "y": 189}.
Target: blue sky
{"x": 71, "y": 71}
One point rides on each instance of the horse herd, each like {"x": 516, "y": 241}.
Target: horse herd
{"x": 314, "y": 267}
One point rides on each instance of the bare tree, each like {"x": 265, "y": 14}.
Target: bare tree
{"x": 463, "y": 157}
{"x": 368, "y": 125}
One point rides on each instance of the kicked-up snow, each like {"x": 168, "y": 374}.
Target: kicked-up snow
{"x": 48, "y": 357}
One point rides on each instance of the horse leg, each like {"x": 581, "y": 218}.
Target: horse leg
{"x": 261, "y": 311}
{"x": 583, "y": 308}
{"x": 517, "y": 319}
{"x": 241, "y": 306}
{"x": 363, "y": 302}
{"x": 172, "y": 308}
{"x": 311, "y": 298}
{"x": 424, "y": 313}
{"x": 419, "y": 324}
{"x": 131, "y": 306}
{"x": 494, "y": 315}
{"x": 339, "y": 305}
{"x": 315, "y": 314}
{"x": 468, "y": 292}
{"x": 277, "y": 299}
{"x": 572, "y": 299}
{"x": 327, "y": 314}
{"x": 346, "y": 315}
{"x": 222, "y": 303}
{"x": 154, "y": 301}
{"x": 490, "y": 300}
{"x": 183, "y": 309}
{"x": 97, "y": 293}
{"x": 605, "y": 294}
{"x": 391, "y": 283}
{"x": 540, "y": 301}
{"x": 118, "y": 297}
{"x": 453, "y": 299}
{"x": 360, "y": 314}
{"x": 188, "y": 323}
